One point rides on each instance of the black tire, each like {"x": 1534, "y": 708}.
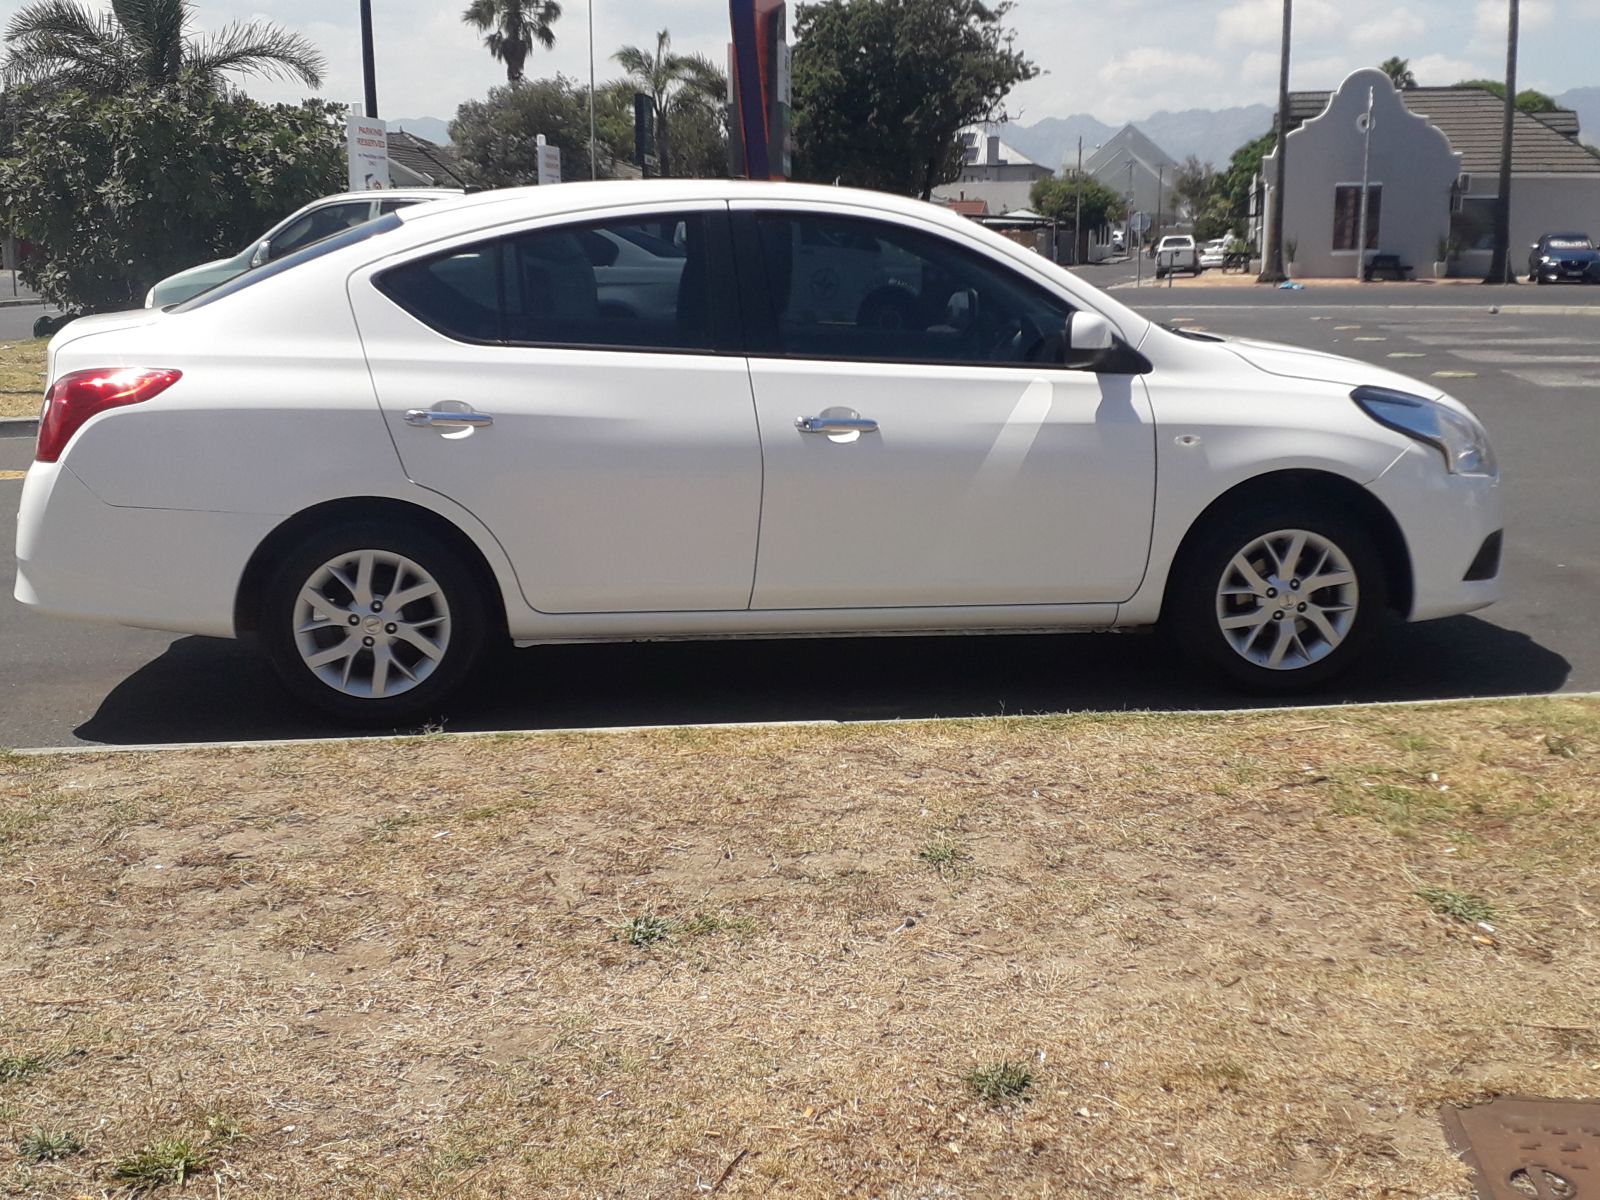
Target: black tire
{"x": 468, "y": 626}
{"x": 1191, "y": 616}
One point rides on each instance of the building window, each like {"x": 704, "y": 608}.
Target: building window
{"x": 1473, "y": 226}
{"x": 1347, "y": 215}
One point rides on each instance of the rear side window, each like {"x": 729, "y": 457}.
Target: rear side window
{"x": 620, "y": 285}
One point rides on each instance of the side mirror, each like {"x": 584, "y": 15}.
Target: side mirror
{"x": 262, "y": 254}
{"x": 1088, "y": 340}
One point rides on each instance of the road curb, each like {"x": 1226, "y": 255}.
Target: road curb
{"x": 19, "y": 427}
{"x": 360, "y": 740}
{"x": 22, "y": 302}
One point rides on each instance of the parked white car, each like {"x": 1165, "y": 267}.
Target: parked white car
{"x": 431, "y": 434}
{"x": 300, "y": 228}
{"x": 1176, "y": 252}
{"x": 1214, "y": 254}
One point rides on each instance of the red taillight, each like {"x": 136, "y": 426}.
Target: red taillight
{"x": 77, "y": 396}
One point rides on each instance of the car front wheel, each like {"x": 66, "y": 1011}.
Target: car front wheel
{"x": 373, "y": 624}
{"x": 1278, "y": 600}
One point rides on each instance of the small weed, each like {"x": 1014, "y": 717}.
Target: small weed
{"x": 1561, "y": 747}
{"x": 645, "y": 930}
{"x": 386, "y": 829}
{"x": 707, "y": 924}
{"x": 941, "y": 854}
{"x": 40, "y": 1146}
{"x": 15, "y": 1070}
{"x": 1227, "y": 1074}
{"x": 489, "y": 812}
{"x": 1463, "y": 906}
{"x": 1000, "y": 1082}
{"x": 168, "y": 1160}
{"x": 222, "y": 1128}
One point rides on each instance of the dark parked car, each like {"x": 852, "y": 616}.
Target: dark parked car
{"x": 1564, "y": 257}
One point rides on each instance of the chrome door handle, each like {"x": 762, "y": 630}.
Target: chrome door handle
{"x": 427, "y": 418}
{"x": 836, "y": 425}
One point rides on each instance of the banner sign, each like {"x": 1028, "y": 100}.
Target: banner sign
{"x": 368, "y": 148}
{"x": 759, "y": 84}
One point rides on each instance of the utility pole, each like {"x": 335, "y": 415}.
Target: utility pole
{"x": 1500, "y": 270}
{"x": 369, "y": 68}
{"x": 1077, "y": 216}
{"x": 1366, "y": 190}
{"x": 594, "y": 170}
{"x": 1161, "y": 188}
{"x": 1272, "y": 266}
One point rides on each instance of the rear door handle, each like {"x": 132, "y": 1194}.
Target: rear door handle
{"x": 836, "y": 425}
{"x": 428, "y": 418}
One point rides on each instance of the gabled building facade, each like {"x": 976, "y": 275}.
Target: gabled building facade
{"x": 1131, "y": 164}
{"x": 997, "y": 175}
{"x": 1435, "y": 166}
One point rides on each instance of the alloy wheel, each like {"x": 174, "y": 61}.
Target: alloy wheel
{"x": 371, "y": 624}
{"x": 1287, "y": 600}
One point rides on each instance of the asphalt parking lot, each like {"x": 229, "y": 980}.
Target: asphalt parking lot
{"x": 1534, "y": 378}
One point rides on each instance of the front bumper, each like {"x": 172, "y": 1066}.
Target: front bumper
{"x": 1446, "y": 520}
{"x": 152, "y": 568}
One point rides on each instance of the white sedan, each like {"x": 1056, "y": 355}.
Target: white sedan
{"x": 433, "y": 434}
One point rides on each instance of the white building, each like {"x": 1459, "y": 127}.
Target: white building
{"x": 997, "y": 175}
{"x": 1130, "y": 164}
{"x": 1435, "y": 172}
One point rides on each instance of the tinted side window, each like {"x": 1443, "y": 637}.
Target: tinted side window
{"x": 844, "y": 288}
{"x": 613, "y": 284}
{"x": 458, "y": 294}
{"x": 609, "y": 285}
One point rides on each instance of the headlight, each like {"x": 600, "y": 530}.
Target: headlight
{"x": 1458, "y": 437}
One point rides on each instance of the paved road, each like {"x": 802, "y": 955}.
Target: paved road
{"x": 62, "y": 683}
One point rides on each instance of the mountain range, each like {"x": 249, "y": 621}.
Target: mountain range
{"x": 1211, "y": 135}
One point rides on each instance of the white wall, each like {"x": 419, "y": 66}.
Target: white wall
{"x": 1410, "y": 158}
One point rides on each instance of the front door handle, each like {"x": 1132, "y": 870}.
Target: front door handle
{"x": 836, "y": 425}
{"x": 428, "y": 418}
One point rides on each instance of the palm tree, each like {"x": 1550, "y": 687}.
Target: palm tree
{"x": 62, "y": 43}
{"x": 671, "y": 81}
{"x": 1399, "y": 72}
{"x": 512, "y": 27}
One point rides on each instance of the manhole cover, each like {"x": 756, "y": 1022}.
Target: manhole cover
{"x": 1524, "y": 1149}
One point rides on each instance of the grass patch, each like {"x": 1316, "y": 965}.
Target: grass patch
{"x": 1462, "y": 906}
{"x": 17, "y": 1068}
{"x": 724, "y": 960}
{"x": 167, "y": 1160}
{"x": 1003, "y": 1082}
{"x": 43, "y": 1146}
{"x": 22, "y": 367}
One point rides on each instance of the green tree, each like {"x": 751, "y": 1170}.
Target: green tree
{"x": 1057, "y": 197}
{"x": 497, "y": 137}
{"x": 60, "y": 44}
{"x": 1399, "y": 72}
{"x": 1237, "y": 181}
{"x": 676, "y": 85}
{"x": 511, "y": 27}
{"x": 118, "y": 192}
{"x": 883, "y": 87}
{"x": 1528, "y": 101}
{"x": 1193, "y": 187}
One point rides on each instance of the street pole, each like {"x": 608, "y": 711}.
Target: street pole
{"x": 1161, "y": 187}
{"x": 1366, "y": 191}
{"x": 594, "y": 171}
{"x": 369, "y": 69}
{"x": 1077, "y": 216}
{"x": 1272, "y": 266}
{"x": 1500, "y": 264}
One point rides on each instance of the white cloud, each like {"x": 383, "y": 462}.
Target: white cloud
{"x": 1392, "y": 30}
{"x": 1440, "y": 70}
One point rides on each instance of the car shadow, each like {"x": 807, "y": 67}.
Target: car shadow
{"x": 204, "y": 690}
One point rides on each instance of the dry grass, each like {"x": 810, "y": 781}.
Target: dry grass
{"x": 1089, "y": 956}
{"x": 22, "y": 377}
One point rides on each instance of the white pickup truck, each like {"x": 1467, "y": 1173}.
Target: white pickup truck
{"x": 1177, "y": 252}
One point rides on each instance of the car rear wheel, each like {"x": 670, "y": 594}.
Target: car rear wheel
{"x": 373, "y": 624}
{"x": 1280, "y": 599}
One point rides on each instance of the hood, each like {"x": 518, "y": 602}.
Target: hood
{"x": 1291, "y": 362}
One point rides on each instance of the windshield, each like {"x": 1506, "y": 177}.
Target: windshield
{"x": 288, "y": 262}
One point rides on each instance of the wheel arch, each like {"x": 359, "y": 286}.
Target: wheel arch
{"x": 1315, "y": 486}
{"x": 267, "y": 555}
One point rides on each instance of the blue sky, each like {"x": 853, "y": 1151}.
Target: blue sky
{"x": 1119, "y": 60}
